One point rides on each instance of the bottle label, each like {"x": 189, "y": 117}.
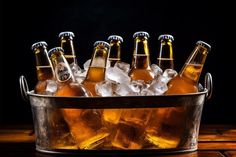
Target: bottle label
{"x": 62, "y": 72}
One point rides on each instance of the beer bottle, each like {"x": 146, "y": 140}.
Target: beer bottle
{"x": 43, "y": 67}
{"x": 140, "y": 69}
{"x": 84, "y": 124}
{"x": 111, "y": 117}
{"x": 166, "y": 127}
{"x": 165, "y": 59}
{"x": 66, "y": 39}
{"x": 66, "y": 82}
{"x": 187, "y": 79}
{"x": 133, "y": 121}
{"x": 115, "y": 43}
{"x": 97, "y": 67}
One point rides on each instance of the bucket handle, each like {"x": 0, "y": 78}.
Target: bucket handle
{"x": 24, "y": 89}
{"x": 208, "y": 85}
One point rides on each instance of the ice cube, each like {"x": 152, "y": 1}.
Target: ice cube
{"x": 137, "y": 85}
{"x": 79, "y": 78}
{"x": 124, "y": 90}
{"x": 170, "y": 73}
{"x": 123, "y": 66}
{"x": 111, "y": 117}
{"x": 117, "y": 75}
{"x": 159, "y": 85}
{"x": 128, "y": 136}
{"x": 76, "y": 70}
{"x": 105, "y": 88}
{"x": 146, "y": 92}
{"x": 156, "y": 70}
{"x": 51, "y": 87}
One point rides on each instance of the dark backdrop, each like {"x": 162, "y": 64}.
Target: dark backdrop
{"x": 23, "y": 23}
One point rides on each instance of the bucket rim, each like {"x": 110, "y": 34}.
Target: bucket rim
{"x": 31, "y": 93}
{"x": 119, "y": 102}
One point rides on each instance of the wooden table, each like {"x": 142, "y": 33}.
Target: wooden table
{"x": 214, "y": 141}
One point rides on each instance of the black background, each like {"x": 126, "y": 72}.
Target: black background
{"x": 23, "y": 23}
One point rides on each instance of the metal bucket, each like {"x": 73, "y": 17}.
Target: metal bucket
{"x": 53, "y": 134}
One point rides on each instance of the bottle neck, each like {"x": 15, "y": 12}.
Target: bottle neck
{"x": 141, "y": 58}
{"x": 165, "y": 59}
{"x": 63, "y": 72}
{"x": 69, "y": 52}
{"x": 97, "y": 68}
{"x": 43, "y": 65}
{"x": 192, "y": 69}
{"x": 114, "y": 52}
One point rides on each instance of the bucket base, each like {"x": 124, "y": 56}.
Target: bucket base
{"x": 140, "y": 152}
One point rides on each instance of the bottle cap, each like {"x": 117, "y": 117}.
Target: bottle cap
{"x": 204, "y": 44}
{"x": 141, "y": 33}
{"x": 38, "y": 44}
{"x": 66, "y": 34}
{"x": 105, "y": 44}
{"x": 55, "y": 49}
{"x": 115, "y": 37}
{"x": 166, "y": 36}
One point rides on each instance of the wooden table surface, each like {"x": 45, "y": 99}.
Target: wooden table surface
{"x": 214, "y": 141}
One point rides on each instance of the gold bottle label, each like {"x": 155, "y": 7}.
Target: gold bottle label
{"x": 62, "y": 72}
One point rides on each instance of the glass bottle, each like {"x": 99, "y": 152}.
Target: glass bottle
{"x": 111, "y": 117}
{"x": 165, "y": 59}
{"x": 133, "y": 121}
{"x": 115, "y": 43}
{"x": 66, "y": 39}
{"x": 140, "y": 69}
{"x": 45, "y": 72}
{"x": 64, "y": 76}
{"x": 187, "y": 79}
{"x": 84, "y": 124}
{"x": 167, "y": 131}
{"x": 97, "y": 67}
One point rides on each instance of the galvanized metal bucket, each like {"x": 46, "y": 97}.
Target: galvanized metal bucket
{"x": 51, "y": 139}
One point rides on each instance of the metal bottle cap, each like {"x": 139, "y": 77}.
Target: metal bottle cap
{"x": 141, "y": 33}
{"x": 105, "y": 44}
{"x": 55, "y": 49}
{"x": 38, "y": 44}
{"x": 115, "y": 37}
{"x": 204, "y": 44}
{"x": 166, "y": 36}
{"x": 66, "y": 34}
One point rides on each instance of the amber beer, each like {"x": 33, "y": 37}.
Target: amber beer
{"x": 133, "y": 121}
{"x": 97, "y": 67}
{"x": 66, "y": 41}
{"x": 140, "y": 69}
{"x": 165, "y": 58}
{"x": 167, "y": 131}
{"x": 115, "y": 51}
{"x": 44, "y": 68}
{"x": 187, "y": 79}
{"x": 84, "y": 124}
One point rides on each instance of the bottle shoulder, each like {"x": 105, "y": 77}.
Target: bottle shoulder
{"x": 181, "y": 85}
{"x": 141, "y": 74}
{"x": 72, "y": 89}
